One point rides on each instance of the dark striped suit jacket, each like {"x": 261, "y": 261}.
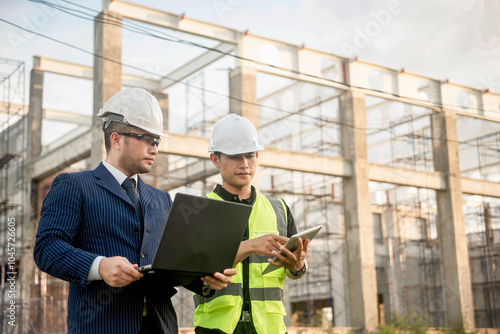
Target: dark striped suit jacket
{"x": 87, "y": 214}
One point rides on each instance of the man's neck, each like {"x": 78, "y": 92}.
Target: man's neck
{"x": 243, "y": 193}
{"x": 114, "y": 163}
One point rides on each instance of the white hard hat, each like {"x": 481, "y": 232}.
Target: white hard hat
{"x": 234, "y": 135}
{"x": 136, "y": 107}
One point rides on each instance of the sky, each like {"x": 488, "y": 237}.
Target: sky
{"x": 457, "y": 40}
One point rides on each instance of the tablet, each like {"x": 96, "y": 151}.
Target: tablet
{"x": 291, "y": 244}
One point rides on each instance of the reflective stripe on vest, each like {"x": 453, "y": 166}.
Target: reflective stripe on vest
{"x": 222, "y": 311}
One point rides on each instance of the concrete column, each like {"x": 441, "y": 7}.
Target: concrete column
{"x": 107, "y": 74}
{"x": 394, "y": 263}
{"x": 35, "y": 111}
{"x": 163, "y": 102}
{"x": 339, "y": 282}
{"x": 358, "y": 217}
{"x": 33, "y": 150}
{"x": 243, "y": 93}
{"x": 243, "y": 100}
{"x": 459, "y": 307}
{"x": 160, "y": 167}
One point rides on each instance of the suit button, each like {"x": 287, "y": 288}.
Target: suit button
{"x": 136, "y": 231}
{"x": 131, "y": 209}
{"x": 143, "y": 255}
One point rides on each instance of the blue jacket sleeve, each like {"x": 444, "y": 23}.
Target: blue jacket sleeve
{"x": 56, "y": 251}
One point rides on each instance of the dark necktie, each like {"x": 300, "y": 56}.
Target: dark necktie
{"x": 128, "y": 185}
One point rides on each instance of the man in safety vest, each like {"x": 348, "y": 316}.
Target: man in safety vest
{"x": 252, "y": 303}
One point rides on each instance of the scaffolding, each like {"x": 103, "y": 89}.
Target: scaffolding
{"x": 484, "y": 238}
{"x": 13, "y": 129}
{"x": 303, "y": 115}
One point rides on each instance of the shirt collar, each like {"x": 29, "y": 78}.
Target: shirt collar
{"x": 118, "y": 174}
{"x": 227, "y": 196}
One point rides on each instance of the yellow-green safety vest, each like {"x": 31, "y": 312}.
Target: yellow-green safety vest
{"x": 222, "y": 311}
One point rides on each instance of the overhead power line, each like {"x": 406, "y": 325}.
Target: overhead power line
{"x": 290, "y": 113}
{"x": 149, "y": 31}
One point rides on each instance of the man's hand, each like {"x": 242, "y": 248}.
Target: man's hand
{"x": 293, "y": 261}
{"x": 220, "y": 281}
{"x": 264, "y": 246}
{"x": 117, "y": 271}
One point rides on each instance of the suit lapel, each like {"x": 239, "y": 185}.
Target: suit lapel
{"x": 107, "y": 181}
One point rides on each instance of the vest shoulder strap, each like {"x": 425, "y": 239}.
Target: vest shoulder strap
{"x": 281, "y": 215}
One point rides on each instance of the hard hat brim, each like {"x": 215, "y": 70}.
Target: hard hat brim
{"x": 229, "y": 151}
{"x": 153, "y": 131}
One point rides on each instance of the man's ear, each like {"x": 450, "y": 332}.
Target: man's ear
{"x": 215, "y": 159}
{"x": 114, "y": 138}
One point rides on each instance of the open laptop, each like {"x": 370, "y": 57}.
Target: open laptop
{"x": 201, "y": 237}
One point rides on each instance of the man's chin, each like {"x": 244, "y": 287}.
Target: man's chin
{"x": 241, "y": 183}
{"x": 144, "y": 170}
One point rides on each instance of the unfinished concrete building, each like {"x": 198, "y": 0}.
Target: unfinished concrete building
{"x": 402, "y": 170}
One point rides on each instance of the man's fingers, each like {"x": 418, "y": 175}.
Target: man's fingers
{"x": 217, "y": 283}
{"x": 124, "y": 259}
{"x": 276, "y": 263}
{"x": 281, "y": 239}
{"x": 299, "y": 246}
{"x": 130, "y": 269}
{"x": 285, "y": 257}
{"x": 223, "y": 278}
{"x": 230, "y": 272}
{"x": 118, "y": 271}
{"x": 306, "y": 243}
{"x": 220, "y": 281}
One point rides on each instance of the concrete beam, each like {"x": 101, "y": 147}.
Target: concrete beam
{"x": 311, "y": 64}
{"x": 181, "y": 23}
{"x": 67, "y": 117}
{"x": 480, "y": 187}
{"x": 492, "y": 115}
{"x": 50, "y": 114}
{"x": 452, "y": 98}
{"x": 406, "y": 177}
{"x": 185, "y": 145}
{"x": 195, "y": 65}
{"x": 13, "y": 109}
{"x": 192, "y": 146}
{"x": 87, "y": 72}
{"x": 49, "y": 65}
{"x": 188, "y": 174}
{"x": 304, "y": 162}
{"x": 61, "y": 157}
{"x": 372, "y": 76}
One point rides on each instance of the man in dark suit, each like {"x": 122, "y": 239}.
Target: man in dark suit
{"x": 98, "y": 226}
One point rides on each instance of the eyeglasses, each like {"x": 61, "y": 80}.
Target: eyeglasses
{"x": 148, "y": 138}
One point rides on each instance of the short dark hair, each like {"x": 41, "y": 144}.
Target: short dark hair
{"x": 113, "y": 127}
